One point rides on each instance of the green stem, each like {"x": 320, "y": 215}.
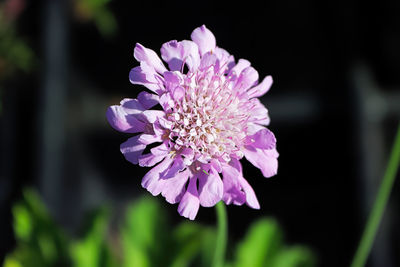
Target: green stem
{"x": 222, "y": 236}
{"x": 379, "y": 206}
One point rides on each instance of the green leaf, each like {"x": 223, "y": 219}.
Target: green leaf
{"x": 261, "y": 244}
{"x": 40, "y": 242}
{"x": 193, "y": 240}
{"x": 92, "y": 249}
{"x": 145, "y": 233}
{"x": 22, "y": 222}
{"x": 296, "y": 256}
{"x": 11, "y": 262}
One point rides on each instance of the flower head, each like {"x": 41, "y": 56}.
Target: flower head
{"x": 210, "y": 119}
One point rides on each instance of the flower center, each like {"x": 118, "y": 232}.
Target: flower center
{"x": 210, "y": 118}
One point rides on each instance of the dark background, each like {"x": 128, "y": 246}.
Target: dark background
{"x": 334, "y": 107}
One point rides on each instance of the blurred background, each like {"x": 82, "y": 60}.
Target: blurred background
{"x": 334, "y": 107}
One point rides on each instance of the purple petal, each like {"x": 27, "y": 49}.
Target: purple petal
{"x": 204, "y": 38}
{"x": 260, "y": 89}
{"x": 132, "y": 106}
{"x": 211, "y": 188}
{"x": 178, "y": 93}
{"x": 148, "y": 160}
{"x": 148, "y": 100}
{"x": 158, "y": 130}
{"x": 151, "y": 181}
{"x": 147, "y": 76}
{"x": 251, "y": 199}
{"x": 177, "y": 53}
{"x": 142, "y": 53}
{"x": 190, "y": 54}
{"x": 174, "y": 187}
{"x": 241, "y": 65}
{"x": 189, "y": 204}
{"x": 265, "y": 160}
{"x": 157, "y": 154}
{"x": 250, "y": 196}
{"x": 166, "y": 124}
{"x": 152, "y": 115}
{"x": 166, "y": 102}
{"x": 132, "y": 149}
{"x": 259, "y": 113}
{"x": 121, "y": 121}
{"x": 177, "y": 166}
{"x": 216, "y": 164}
{"x": 173, "y": 78}
{"x": 248, "y": 77}
{"x": 263, "y": 139}
{"x": 188, "y": 155}
{"x": 209, "y": 59}
{"x": 147, "y": 139}
{"x": 226, "y": 60}
{"x": 252, "y": 128}
{"x": 232, "y": 190}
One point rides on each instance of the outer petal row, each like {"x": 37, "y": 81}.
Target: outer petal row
{"x": 204, "y": 38}
{"x": 142, "y": 53}
{"x": 264, "y": 159}
{"x": 127, "y": 116}
{"x": 236, "y": 189}
{"x": 178, "y": 53}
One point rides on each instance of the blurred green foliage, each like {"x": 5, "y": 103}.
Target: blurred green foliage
{"x": 97, "y": 12}
{"x": 144, "y": 238}
{"x": 263, "y": 246}
{"x": 40, "y": 241}
{"x": 15, "y": 54}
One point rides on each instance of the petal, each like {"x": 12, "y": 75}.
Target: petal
{"x": 250, "y": 196}
{"x": 142, "y": 53}
{"x": 209, "y": 59}
{"x": 265, "y": 160}
{"x": 148, "y": 160}
{"x": 248, "y": 77}
{"x": 132, "y": 149}
{"x": 158, "y": 130}
{"x": 151, "y": 181}
{"x": 232, "y": 190}
{"x": 148, "y": 100}
{"x": 211, "y": 188}
{"x": 147, "y": 76}
{"x": 177, "y": 53}
{"x": 177, "y": 166}
{"x": 188, "y": 155}
{"x": 241, "y": 65}
{"x": 132, "y": 106}
{"x": 152, "y": 115}
{"x": 121, "y": 121}
{"x": 189, "y": 204}
{"x": 166, "y": 124}
{"x": 147, "y": 139}
{"x": 252, "y": 128}
{"x": 263, "y": 139}
{"x": 173, "y": 79}
{"x": 166, "y": 102}
{"x": 174, "y": 187}
{"x": 226, "y": 60}
{"x": 178, "y": 93}
{"x": 251, "y": 199}
{"x": 157, "y": 154}
{"x": 204, "y": 38}
{"x": 259, "y": 113}
{"x": 260, "y": 89}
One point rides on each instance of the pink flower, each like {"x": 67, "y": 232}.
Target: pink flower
{"x": 210, "y": 119}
